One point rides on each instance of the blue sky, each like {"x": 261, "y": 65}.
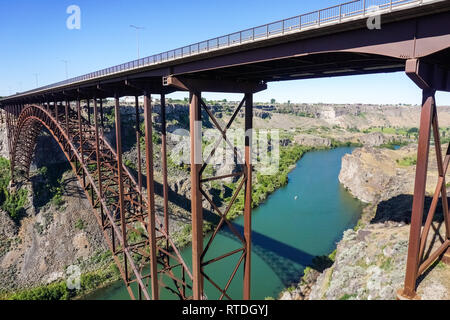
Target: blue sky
{"x": 35, "y": 40}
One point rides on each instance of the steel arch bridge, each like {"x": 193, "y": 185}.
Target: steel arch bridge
{"x": 331, "y": 42}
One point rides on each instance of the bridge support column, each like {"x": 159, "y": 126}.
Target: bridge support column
{"x": 417, "y": 262}
{"x": 56, "y": 111}
{"x": 242, "y": 178}
{"x": 248, "y": 194}
{"x": 150, "y": 194}
{"x": 88, "y": 107}
{"x": 9, "y": 132}
{"x": 99, "y": 164}
{"x": 196, "y": 196}
{"x": 81, "y": 139}
{"x": 122, "y": 211}
{"x": 138, "y": 145}
{"x": 164, "y": 165}
{"x": 66, "y": 111}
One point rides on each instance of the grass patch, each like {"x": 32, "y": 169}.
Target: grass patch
{"x": 407, "y": 161}
{"x": 347, "y": 296}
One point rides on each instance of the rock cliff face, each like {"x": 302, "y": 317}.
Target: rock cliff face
{"x": 370, "y": 260}
{"x": 376, "y": 174}
{"x": 364, "y": 116}
{"x": 48, "y": 240}
{"x": 50, "y": 236}
{"x": 312, "y": 141}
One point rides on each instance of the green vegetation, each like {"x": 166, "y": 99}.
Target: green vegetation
{"x": 387, "y": 264}
{"x": 183, "y": 237}
{"x": 156, "y": 138}
{"x": 338, "y": 144}
{"x": 290, "y": 289}
{"x": 48, "y": 186}
{"x": 348, "y": 296}
{"x": 409, "y": 133}
{"x": 407, "y": 161}
{"x": 11, "y": 202}
{"x": 59, "y": 291}
{"x": 391, "y": 145}
{"x": 130, "y": 164}
{"x": 80, "y": 224}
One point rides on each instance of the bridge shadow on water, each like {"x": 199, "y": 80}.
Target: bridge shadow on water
{"x": 286, "y": 261}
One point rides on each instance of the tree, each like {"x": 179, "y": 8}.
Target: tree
{"x": 272, "y": 101}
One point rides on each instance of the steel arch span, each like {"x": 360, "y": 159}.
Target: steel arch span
{"x": 126, "y": 215}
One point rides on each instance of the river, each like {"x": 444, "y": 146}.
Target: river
{"x": 297, "y": 222}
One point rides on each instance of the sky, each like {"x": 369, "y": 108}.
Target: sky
{"x": 35, "y": 42}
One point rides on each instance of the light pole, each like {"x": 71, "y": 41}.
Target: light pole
{"x": 65, "y": 63}
{"x": 137, "y": 36}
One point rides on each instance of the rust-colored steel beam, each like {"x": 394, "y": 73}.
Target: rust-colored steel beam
{"x": 198, "y": 167}
{"x": 67, "y": 106}
{"x": 88, "y": 106}
{"x": 164, "y": 163}
{"x": 150, "y": 193}
{"x": 412, "y": 263}
{"x": 427, "y": 77}
{"x": 102, "y": 122}
{"x": 196, "y": 196}
{"x": 123, "y": 224}
{"x": 418, "y": 235}
{"x": 99, "y": 162}
{"x": 248, "y": 193}
{"x": 197, "y": 85}
{"x": 138, "y": 145}
{"x": 80, "y": 136}
{"x": 56, "y": 110}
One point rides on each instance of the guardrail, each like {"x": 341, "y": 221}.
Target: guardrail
{"x": 338, "y": 13}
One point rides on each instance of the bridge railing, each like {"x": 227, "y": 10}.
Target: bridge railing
{"x": 335, "y": 14}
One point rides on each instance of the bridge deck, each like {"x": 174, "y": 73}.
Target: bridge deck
{"x": 348, "y": 16}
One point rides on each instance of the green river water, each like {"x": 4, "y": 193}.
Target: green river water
{"x": 302, "y": 220}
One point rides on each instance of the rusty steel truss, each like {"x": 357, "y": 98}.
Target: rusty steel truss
{"x": 141, "y": 245}
{"x": 429, "y": 78}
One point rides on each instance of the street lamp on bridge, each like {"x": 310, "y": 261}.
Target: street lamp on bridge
{"x": 137, "y": 36}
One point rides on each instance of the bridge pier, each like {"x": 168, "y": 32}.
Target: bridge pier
{"x": 198, "y": 166}
{"x": 150, "y": 194}
{"x": 430, "y": 79}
